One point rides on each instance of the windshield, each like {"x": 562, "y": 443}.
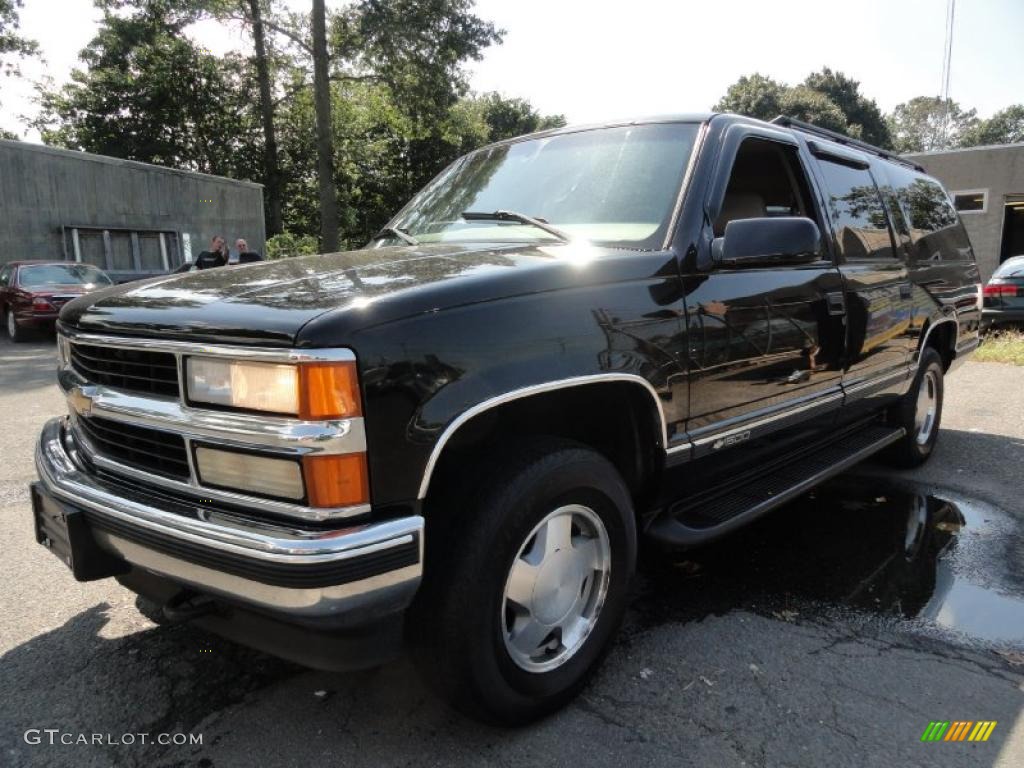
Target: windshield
{"x": 614, "y": 186}
{"x": 61, "y": 274}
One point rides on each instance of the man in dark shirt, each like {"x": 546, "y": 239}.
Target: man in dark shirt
{"x": 245, "y": 256}
{"x": 217, "y": 256}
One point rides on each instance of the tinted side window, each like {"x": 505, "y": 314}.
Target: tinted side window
{"x": 935, "y": 228}
{"x": 856, "y": 210}
{"x": 5, "y": 276}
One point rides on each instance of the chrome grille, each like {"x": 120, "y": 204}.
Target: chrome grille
{"x": 151, "y": 450}
{"x": 133, "y": 370}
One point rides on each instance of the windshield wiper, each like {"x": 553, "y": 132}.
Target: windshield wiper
{"x": 521, "y": 218}
{"x": 405, "y": 237}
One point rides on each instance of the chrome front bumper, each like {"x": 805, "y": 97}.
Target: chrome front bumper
{"x": 362, "y": 571}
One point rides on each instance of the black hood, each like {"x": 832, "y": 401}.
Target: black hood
{"x": 270, "y": 302}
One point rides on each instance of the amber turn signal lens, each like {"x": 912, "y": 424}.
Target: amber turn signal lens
{"x": 336, "y": 481}
{"x": 328, "y": 391}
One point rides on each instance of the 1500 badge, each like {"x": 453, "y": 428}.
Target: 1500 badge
{"x": 725, "y": 442}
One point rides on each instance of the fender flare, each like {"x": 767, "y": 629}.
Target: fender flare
{"x": 931, "y": 327}
{"x": 524, "y": 392}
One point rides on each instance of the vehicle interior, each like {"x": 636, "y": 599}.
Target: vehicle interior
{"x": 766, "y": 180}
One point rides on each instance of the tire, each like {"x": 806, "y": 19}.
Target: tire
{"x": 15, "y": 333}
{"x": 527, "y": 584}
{"x": 920, "y": 413}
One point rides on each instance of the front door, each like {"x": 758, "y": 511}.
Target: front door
{"x": 765, "y": 343}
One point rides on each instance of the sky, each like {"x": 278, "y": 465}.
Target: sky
{"x": 596, "y": 59}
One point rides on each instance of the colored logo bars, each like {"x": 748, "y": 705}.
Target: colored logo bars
{"x": 958, "y": 730}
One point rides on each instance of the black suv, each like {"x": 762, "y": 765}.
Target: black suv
{"x": 566, "y": 344}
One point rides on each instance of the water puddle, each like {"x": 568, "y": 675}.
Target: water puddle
{"x": 897, "y": 551}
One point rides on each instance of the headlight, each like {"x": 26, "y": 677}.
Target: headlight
{"x": 253, "y": 386}
{"x": 312, "y": 391}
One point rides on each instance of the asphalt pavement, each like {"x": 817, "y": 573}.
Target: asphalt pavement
{"x": 831, "y": 633}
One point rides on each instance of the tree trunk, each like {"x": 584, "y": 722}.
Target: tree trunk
{"x": 324, "y": 142}
{"x": 271, "y": 167}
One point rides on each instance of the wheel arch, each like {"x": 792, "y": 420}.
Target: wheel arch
{"x": 941, "y": 334}
{"x": 644, "y": 412}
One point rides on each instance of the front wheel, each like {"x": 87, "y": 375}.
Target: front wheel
{"x": 523, "y": 595}
{"x": 15, "y": 333}
{"x": 919, "y": 413}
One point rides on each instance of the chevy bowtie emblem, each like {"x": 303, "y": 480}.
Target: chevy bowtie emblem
{"x": 80, "y": 402}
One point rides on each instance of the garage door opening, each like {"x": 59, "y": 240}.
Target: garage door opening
{"x": 1013, "y": 228}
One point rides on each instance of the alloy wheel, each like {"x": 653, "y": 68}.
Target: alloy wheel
{"x": 927, "y": 406}
{"x": 556, "y": 588}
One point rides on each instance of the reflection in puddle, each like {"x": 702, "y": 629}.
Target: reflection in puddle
{"x": 856, "y": 543}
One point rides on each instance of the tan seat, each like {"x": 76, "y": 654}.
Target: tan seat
{"x": 739, "y": 205}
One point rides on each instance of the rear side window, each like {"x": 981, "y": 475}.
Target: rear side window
{"x": 857, "y": 212}
{"x": 935, "y": 228}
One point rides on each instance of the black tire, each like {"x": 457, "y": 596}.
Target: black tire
{"x": 459, "y": 622}
{"x": 15, "y": 332}
{"x": 916, "y": 447}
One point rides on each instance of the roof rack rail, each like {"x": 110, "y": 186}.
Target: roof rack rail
{"x": 841, "y": 138}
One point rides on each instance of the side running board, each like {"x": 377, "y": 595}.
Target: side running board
{"x": 696, "y": 521}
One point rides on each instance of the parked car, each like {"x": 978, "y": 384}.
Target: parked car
{"x": 1004, "y": 294}
{"x": 33, "y": 292}
{"x": 567, "y": 343}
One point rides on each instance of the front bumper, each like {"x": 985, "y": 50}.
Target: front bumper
{"x": 342, "y": 576}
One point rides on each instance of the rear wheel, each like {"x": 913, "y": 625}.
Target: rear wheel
{"x": 528, "y": 584}
{"x": 919, "y": 413}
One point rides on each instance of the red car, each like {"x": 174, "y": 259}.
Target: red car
{"x": 32, "y": 292}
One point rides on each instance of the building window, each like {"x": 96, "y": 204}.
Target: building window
{"x": 126, "y": 251}
{"x": 971, "y": 200}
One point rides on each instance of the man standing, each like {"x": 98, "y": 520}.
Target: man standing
{"x": 217, "y": 256}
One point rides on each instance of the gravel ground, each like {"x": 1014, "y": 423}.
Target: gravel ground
{"x": 809, "y": 640}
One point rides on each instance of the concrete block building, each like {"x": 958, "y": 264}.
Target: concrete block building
{"x": 131, "y": 219}
{"x": 987, "y": 187}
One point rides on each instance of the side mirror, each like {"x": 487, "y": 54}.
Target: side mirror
{"x": 767, "y": 241}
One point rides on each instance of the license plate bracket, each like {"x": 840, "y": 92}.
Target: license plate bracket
{"x": 64, "y": 530}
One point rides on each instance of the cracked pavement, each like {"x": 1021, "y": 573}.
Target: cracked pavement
{"x": 770, "y": 650}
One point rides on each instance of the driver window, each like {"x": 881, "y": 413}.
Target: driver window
{"x": 766, "y": 180}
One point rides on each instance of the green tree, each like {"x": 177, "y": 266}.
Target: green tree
{"x": 13, "y": 45}
{"x": 1004, "y": 127}
{"x": 754, "y": 96}
{"x": 827, "y": 98}
{"x": 863, "y": 118}
{"x": 813, "y": 106}
{"x": 398, "y": 107}
{"x": 505, "y": 117}
{"x": 149, "y": 93}
{"x": 928, "y": 123}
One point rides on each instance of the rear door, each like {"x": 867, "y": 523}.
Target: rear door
{"x": 878, "y": 292}
{"x": 765, "y": 342}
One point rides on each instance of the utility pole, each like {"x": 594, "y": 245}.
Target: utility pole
{"x": 947, "y": 67}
